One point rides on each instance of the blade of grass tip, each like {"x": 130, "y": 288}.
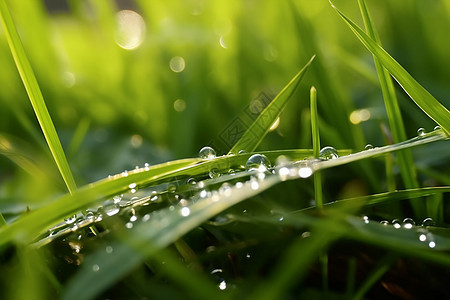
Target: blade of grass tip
{"x": 426, "y": 102}
{"x": 260, "y": 127}
{"x": 316, "y": 147}
{"x": 35, "y": 95}
{"x": 318, "y": 195}
{"x": 405, "y": 159}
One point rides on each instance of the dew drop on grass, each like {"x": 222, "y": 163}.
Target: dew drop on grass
{"x": 437, "y": 127}
{"x": 283, "y": 173}
{"x": 421, "y": 131}
{"x": 369, "y": 147}
{"x": 327, "y": 153}
{"x": 185, "y": 211}
{"x": 428, "y": 222}
{"x": 70, "y": 219}
{"x": 384, "y": 222}
{"x": 258, "y": 162}
{"x": 304, "y": 171}
{"x": 225, "y": 189}
{"x": 214, "y": 173}
{"x": 396, "y": 223}
{"x": 95, "y": 268}
{"x": 366, "y": 219}
{"x": 118, "y": 198}
{"x": 207, "y": 153}
{"x": 191, "y": 181}
{"x": 408, "y": 223}
{"x": 112, "y": 209}
{"x": 109, "y": 249}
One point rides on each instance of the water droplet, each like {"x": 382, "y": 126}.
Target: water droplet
{"x": 384, "y": 222}
{"x": 242, "y": 152}
{"x": 258, "y": 162}
{"x": 327, "y": 153}
{"x": 437, "y": 127}
{"x": 98, "y": 217}
{"x": 109, "y": 249}
{"x": 95, "y": 268}
{"x": 305, "y": 171}
{"x": 408, "y": 223}
{"x": 421, "y": 131}
{"x": 214, "y": 173}
{"x": 145, "y": 218}
{"x": 222, "y": 285}
{"x": 112, "y": 209}
{"x": 432, "y": 244}
{"x": 396, "y": 223}
{"x": 254, "y": 184}
{"x": 185, "y": 211}
{"x": 70, "y": 219}
{"x": 225, "y": 189}
{"x": 428, "y": 222}
{"x": 207, "y": 153}
{"x": 366, "y": 219}
{"x": 191, "y": 181}
{"x": 129, "y": 225}
{"x": 146, "y": 167}
{"x": 203, "y": 194}
{"x": 283, "y": 173}
{"x": 117, "y": 198}
{"x": 133, "y": 218}
{"x": 306, "y": 234}
{"x": 125, "y": 173}
{"x": 89, "y": 216}
{"x": 369, "y": 147}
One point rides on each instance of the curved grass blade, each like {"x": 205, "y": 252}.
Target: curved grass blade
{"x": 260, "y": 127}
{"x": 426, "y": 102}
{"x": 35, "y": 95}
{"x": 405, "y": 159}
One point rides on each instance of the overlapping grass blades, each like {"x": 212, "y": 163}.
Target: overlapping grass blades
{"x": 405, "y": 160}
{"x": 35, "y": 96}
{"x": 427, "y": 103}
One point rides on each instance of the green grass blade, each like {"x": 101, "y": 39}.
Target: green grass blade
{"x": 426, "y": 102}
{"x": 260, "y": 127}
{"x": 405, "y": 159}
{"x": 382, "y": 267}
{"x": 35, "y": 95}
{"x": 316, "y": 147}
{"x": 163, "y": 228}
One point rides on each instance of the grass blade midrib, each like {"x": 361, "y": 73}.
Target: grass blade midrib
{"x": 34, "y": 93}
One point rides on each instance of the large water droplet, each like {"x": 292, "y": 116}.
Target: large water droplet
{"x": 112, "y": 209}
{"x": 207, "y": 153}
{"x": 396, "y": 223}
{"x": 428, "y": 222}
{"x": 214, "y": 173}
{"x": 70, "y": 219}
{"x": 408, "y": 223}
{"x": 304, "y": 171}
{"x": 369, "y": 147}
{"x": 421, "y": 131}
{"x": 327, "y": 153}
{"x": 258, "y": 162}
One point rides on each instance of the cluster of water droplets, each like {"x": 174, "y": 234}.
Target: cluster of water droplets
{"x": 422, "y": 229}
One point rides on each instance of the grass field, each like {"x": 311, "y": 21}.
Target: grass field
{"x": 224, "y": 150}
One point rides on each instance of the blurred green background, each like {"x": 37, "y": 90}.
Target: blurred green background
{"x": 134, "y": 82}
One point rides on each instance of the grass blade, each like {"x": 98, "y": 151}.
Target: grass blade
{"x": 426, "y": 102}
{"x": 35, "y": 95}
{"x": 405, "y": 160}
{"x": 258, "y": 130}
{"x": 316, "y": 147}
